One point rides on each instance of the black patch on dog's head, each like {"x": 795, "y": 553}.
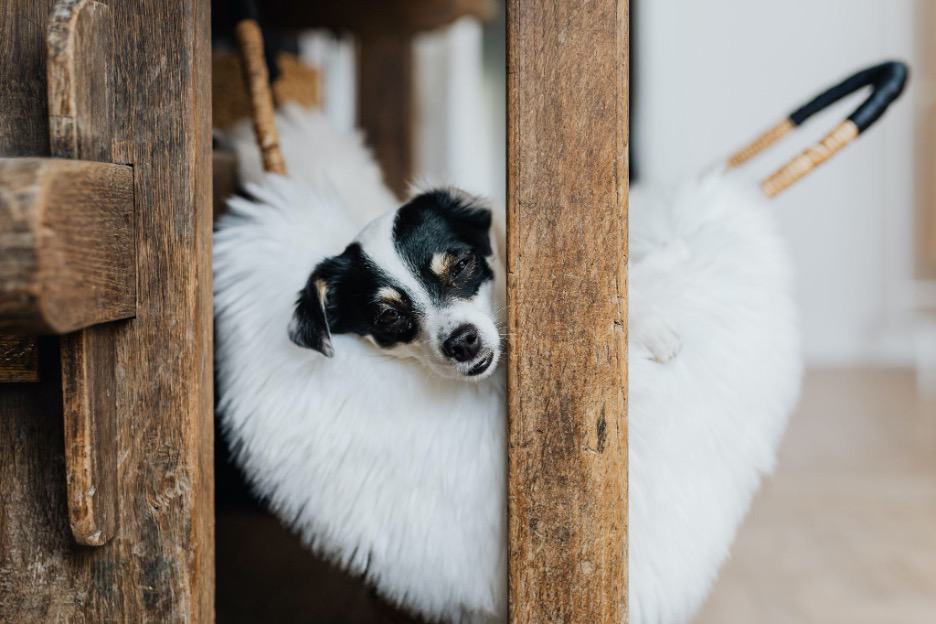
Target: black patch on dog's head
{"x": 343, "y": 296}
{"x": 448, "y": 225}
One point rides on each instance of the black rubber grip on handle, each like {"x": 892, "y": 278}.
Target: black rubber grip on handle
{"x": 887, "y": 82}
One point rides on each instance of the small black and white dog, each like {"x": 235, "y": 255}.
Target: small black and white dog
{"x": 416, "y": 282}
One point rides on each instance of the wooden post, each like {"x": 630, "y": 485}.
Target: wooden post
{"x": 80, "y": 74}
{"x": 160, "y": 565}
{"x": 24, "y": 131}
{"x": 567, "y": 299}
{"x": 66, "y": 245}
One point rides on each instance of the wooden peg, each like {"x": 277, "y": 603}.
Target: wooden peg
{"x": 81, "y": 121}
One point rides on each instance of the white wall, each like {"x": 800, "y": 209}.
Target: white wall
{"x": 712, "y": 74}
{"x": 455, "y": 134}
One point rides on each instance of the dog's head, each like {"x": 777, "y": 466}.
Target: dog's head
{"x": 417, "y": 282}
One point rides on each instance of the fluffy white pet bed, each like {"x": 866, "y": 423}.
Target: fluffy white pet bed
{"x": 709, "y": 278}
{"x": 397, "y": 474}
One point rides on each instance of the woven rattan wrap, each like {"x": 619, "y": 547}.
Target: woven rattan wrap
{"x": 758, "y": 145}
{"x": 812, "y": 157}
{"x": 250, "y": 42}
{"x": 297, "y": 82}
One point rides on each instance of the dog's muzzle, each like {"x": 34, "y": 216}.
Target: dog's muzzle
{"x": 465, "y": 348}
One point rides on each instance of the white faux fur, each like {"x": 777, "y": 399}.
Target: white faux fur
{"x": 396, "y": 473}
{"x": 708, "y": 271}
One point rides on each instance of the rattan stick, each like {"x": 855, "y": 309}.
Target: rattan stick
{"x": 814, "y": 156}
{"x": 250, "y": 41}
{"x": 758, "y": 145}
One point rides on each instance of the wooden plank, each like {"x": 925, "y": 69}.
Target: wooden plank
{"x": 24, "y": 122}
{"x": 160, "y": 568}
{"x": 19, "y": 359}
{"x": 89, "y": 411}
{"x": 66, "y": 244}
{"x": 80, "y": 80}
{"x": 368, "y": 17}
{"x": 33, "y": 516}
{"x": 385, "y": 105}
{"x": 80, "y": 47}
{"x": 567, "y": 303}
{"x": 166, "y": 547}
{"x": 24, "y": 130}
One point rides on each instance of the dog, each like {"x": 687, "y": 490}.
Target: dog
{"x": 417, "y": 282}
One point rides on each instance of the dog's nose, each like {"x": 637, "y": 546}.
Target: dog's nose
{"x": 463, "y": 344}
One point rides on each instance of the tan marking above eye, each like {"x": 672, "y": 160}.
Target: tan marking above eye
{"x": 440, "y": 262}
{"x": 389, "y": 294}
{"x": 322, "y": 287}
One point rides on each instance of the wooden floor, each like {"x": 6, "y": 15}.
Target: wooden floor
{"x": 845, "y": 532}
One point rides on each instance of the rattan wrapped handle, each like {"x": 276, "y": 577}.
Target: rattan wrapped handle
{"x": 250, "y": 42}
{"x": 887, "y": 82}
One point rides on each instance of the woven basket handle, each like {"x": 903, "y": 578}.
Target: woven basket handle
{"x": 887, "y": 82}
{"x": 257, "y": 80}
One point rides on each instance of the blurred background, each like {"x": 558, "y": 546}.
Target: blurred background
{"x": 845, "y": 531}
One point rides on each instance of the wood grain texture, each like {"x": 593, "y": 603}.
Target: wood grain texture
{"x": 80, "y": 80}
{"x": 567, "y": 302}
{"x": 385, "y": 105}
{"x": 24, "y": 122}
{"x": 89, "y": 411}
{"x": 368, "y": 17}
{"x": 160, "y": 565}
{"x": 80, "y": 46}
{"x": 66, "y": 244}
{"x": 19, "y": 359}
{"x": 24, "y": 127}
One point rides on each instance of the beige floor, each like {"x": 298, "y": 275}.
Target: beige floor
{"x": 845, "y": 531}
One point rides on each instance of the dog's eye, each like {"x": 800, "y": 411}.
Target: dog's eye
{"x": 461, "y": 266}
{"x": 387, "y": 317}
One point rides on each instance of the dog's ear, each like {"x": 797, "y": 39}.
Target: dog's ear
{"x": 309, "y": 325}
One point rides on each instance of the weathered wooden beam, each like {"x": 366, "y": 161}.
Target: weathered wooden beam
{"x": 80, "y": 89}
{"x": 80, "y": 80}
{"x": 66, "y": 244}
{"x": 90, "y": 413}
{"x": 24, "y": 130}
{"x": 368, "y": 17}
{"x": 385, "y": 105}
{"x": 567, "y": 301}
{"x": 19, "y": 359}
{"x": 160, "y": 568}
